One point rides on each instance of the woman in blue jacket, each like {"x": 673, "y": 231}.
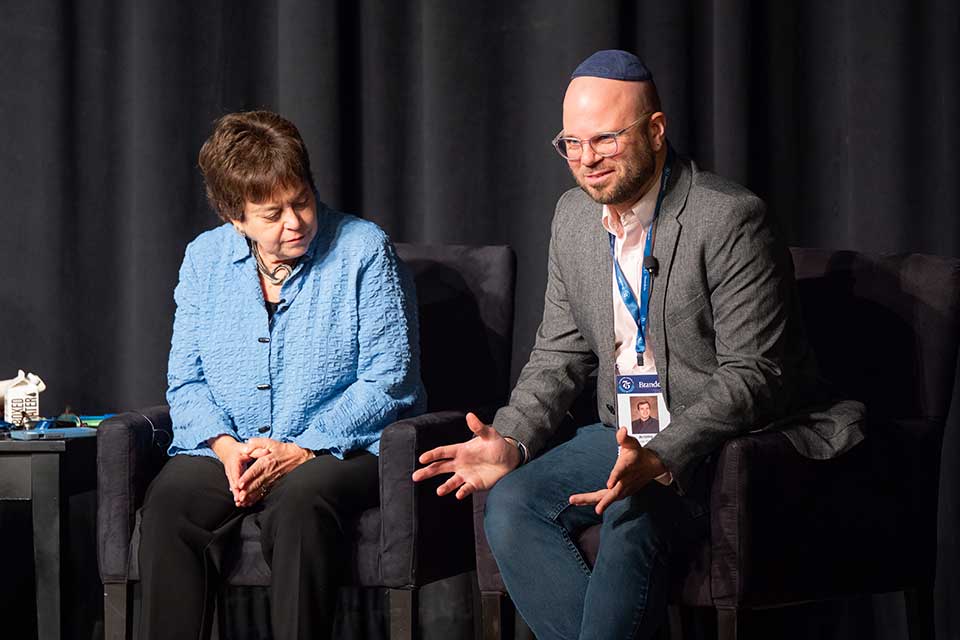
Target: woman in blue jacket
{"x": 294, "y": 345}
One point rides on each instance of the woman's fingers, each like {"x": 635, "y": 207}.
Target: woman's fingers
{"x": 252, "y": 472}
{"x": 255, "y": 488}
{"x": 258, "y": 447}
{"x": 233, "y": 468}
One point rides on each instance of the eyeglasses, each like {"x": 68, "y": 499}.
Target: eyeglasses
{"x": 604, "y": 144}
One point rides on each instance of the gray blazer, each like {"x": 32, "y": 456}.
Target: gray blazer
{"x": 724, "y": 327}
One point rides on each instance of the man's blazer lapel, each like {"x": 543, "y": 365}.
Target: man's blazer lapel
{"x": 601, "y": 276}
{"x": 590, "y": 288}
{"x": 668, "y": 229}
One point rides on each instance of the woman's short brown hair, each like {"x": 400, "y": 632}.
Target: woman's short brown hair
{"x": 251, "y": 156}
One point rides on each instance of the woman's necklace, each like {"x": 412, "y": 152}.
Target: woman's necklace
{"x": 278, "y": 275}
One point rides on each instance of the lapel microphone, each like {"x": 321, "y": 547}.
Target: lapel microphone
{"x": 651, "y": 264}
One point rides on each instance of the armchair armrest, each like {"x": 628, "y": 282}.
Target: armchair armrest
{"x": 786, "y": 528}
{"x": 488, "y": 573}
{"x": 414, "y": 519}
{"x": 131, "y": 448}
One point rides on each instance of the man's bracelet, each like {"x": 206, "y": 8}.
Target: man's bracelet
{"x": 522, "y": 448}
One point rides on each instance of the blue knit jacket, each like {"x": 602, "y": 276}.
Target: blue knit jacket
{"x": 337, "y": 363}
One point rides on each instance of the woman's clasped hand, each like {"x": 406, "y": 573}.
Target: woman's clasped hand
{"x": 252, "y": 467}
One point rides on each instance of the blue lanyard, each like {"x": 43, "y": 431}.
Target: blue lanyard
{"x": 640, "y": 310}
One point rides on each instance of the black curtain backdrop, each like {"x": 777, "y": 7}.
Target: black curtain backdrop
{"x": 433, "y": 119}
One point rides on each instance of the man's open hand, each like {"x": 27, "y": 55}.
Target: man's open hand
{"x": 635, "y": 467}
{"x": 476, "y": 464}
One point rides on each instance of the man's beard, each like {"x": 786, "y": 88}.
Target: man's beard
{"x": 637, "y": 172}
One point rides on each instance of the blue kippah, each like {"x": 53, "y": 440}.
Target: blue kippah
{"x": 613, "y": 64}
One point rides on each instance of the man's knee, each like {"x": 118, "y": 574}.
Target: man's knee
{"x": 651, "y": 521}
{"x": 506, "y": 506}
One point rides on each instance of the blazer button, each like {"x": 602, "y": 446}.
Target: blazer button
{"x": 265, "y": 428}
{"x": 263, "y": 387}
{"x": 263, "y": 340}
{"x": 610, "y": 408}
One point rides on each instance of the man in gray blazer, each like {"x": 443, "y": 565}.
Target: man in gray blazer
{"x": 714, "y": 317}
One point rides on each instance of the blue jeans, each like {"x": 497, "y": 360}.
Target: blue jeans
{"x": 531, "y": 528}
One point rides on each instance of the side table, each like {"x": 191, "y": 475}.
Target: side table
{"x": 47, "y": 473}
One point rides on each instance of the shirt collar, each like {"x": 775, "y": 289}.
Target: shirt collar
{"x": 239, "y": 249}
{"x": 640, "y": 215}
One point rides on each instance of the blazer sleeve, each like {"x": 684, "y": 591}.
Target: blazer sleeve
{"x": 559, "y": 364}
{"x": 749, "y": 276}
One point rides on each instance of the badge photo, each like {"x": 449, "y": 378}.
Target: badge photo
{"x": 641, "y": 408}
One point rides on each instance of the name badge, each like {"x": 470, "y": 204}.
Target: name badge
{"x": 641, "y": 407}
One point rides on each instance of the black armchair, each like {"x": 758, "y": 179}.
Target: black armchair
{"x": 465, "y": 298}
{"x": 786, "y": 529}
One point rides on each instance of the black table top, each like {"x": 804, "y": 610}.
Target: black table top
{"x": 40, "y": 446}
